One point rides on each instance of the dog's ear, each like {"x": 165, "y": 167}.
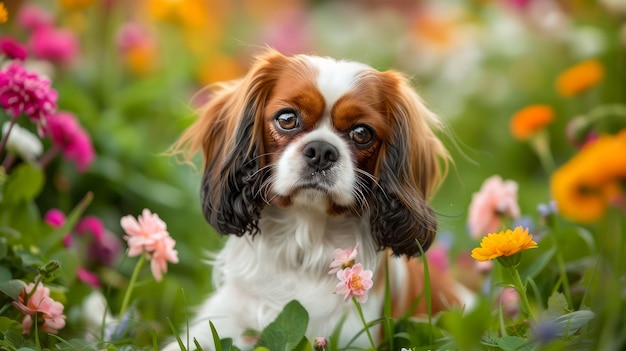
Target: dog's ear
{"x": 230, "y": 134}
{"x": 408, "y": 171}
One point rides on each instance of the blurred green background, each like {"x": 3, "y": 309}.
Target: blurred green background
{"x": 137, "y": 77}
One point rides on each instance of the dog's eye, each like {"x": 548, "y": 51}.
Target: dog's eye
{"x": 362, "y": 135}
{"x": 287, "y": 120}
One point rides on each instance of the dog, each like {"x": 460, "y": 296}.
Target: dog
{"x": 302, "y": 156}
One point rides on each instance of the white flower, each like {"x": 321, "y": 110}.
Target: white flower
{"x": 22, "y": 142}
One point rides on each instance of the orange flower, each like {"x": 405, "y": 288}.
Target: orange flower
{"x": 585, "y": 186}
{"x": 76, "y": 4}
{"x": 4, "y": 14}
{"x": 580, "y": 78}
{"x": 530, "y": 120}
{"x": 504, "y": 244}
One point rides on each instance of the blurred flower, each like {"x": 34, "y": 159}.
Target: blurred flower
{"x": 580, "y": 78}
{"x": 495, "y": 200}
{"x": 587, "y": 41}
{"x": 289, "y": 32}
{"x": 73, "y": 141}
{"x": 509, "y": 300}
{"x": 57, "y": 45}
{"x": 91, "y": 224}
{"x": 24, "y": 92}
{"x": 343, "y": 259}
{"x": 4, "y": 14}
{"x": 12, "y": 48}
{"x": 579, "y": 131}
{"x": 484, "y": 267}
{"x": 437, "y": 257}
{"x": 88, "y": 277}
{"x": 190, "y": 14}
{"x": 148, "y": 234}
{"x": 530, "y": 120}
{"x": 320, "y": 343}
{"x": 76, "y": 4}
{"x": 354, "y": 282}
{"x": 106, "y": 250}
{"x": 54, "y": 218}
{"x": 22, "y": 142}
{"x": 36, "y": 300}
{"x": 504, "y": 244}
{"x": 137, "y": 47}
{"x": 33, "y": 17}
{"x": 518, "y": 3}
{"x": 94, "y": 312}
{"x": 591, "y": 180}
{"x": 219, "y": 68}
{"x": 545, "y": 331}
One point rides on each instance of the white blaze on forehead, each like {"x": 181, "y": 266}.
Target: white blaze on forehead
{"x": 335, "y": 78}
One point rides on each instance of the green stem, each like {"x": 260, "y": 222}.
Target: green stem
{"x": 131, "y": 285}
{"x": 521, "y": 290}
{"x": 541, "y": 145}
{"x": 367, "y": 329}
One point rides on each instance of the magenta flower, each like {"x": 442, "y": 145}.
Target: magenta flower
{"x": 54, "y": 218}
{"x": 88, "y": 277}
{"x": 32, "y": 17}
{"x": 106, "y": 250}
{"x": 354, "y": 282}
{"x": 343, "y": 259}
{"x": 34, "y": 300}
{"x": 57, "y": 45}
{"x": 148, "y": 234}
{"x": 131, "y": 35}
{"x": 71, "y": 139}
{"x": 495, "y": 200}
{"x": 91, "y": 224}
{"x": 12, "y": 48}
{"x": 24, "y": 92}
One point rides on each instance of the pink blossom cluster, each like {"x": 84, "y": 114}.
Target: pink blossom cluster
{"x": 354, "y": 281}
{"x": 73, "y": 141}
{"x": 25, "y": 92}
{"x": 148, "y": 235}
{"x": 102, "y": 250}
{"x": 496, "y": 200}
{"x": 35, "y": 300}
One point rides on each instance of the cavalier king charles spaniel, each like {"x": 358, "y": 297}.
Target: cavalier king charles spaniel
{"x": 302, "y": 156}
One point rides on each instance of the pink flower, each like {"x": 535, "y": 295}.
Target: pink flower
{"x": 88, "y": 277}
{"x": 32, "y": 17}
{"x": 38, "y": 301}
{"x": 71, "y": 139}
{"x": 143, "y": 232}
{"x": 148, "y": 234}
{"x": 354, "y": 282}
{"x": 57, "y": 45}
{"x": 12, "y": 48}
{"x": 343, "y": 259}
{"x": 437, "y": 257}
{"x": 54, "y": 218}
{"x": 131, "y": 35}
{"x": 320, "y": 343}
{"x": 509, "y": 300}
{"x": 24, "y": 92}
{"x": 91, "y": 224}
{"x": 496, "y": 198}
{"x": 106, "y": 250}
{"x": 163, "y": 252}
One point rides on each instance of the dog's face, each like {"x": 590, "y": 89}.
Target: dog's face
{"x": 323, "y": 135}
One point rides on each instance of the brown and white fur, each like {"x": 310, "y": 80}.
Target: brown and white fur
{"x": 304, "y": 155}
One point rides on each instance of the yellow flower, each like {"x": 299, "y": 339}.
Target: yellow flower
{"x": 504, "y": 244}
{"x": 530, "y": 120}
{"x": 585, "y": 186}
{"x": 4, "y": 14}
{"x": 580, "y": 78}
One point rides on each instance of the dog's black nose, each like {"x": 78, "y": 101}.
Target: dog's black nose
{"x": 320, "y": 155}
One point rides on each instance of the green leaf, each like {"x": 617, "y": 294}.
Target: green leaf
{"x": 287, "y": 330}
{"x": 216, "y": 337}
{"x": 513, "y": 343}
{"x": 12, "y": 288}
{"x": 24, "y": 183}
{"x": 570, "y": 323}
{"x": 557, "y": 304}
{"x": 7, "y": 324}
{"x": 539, "y": 263}
{"x": 5, "y": 274}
